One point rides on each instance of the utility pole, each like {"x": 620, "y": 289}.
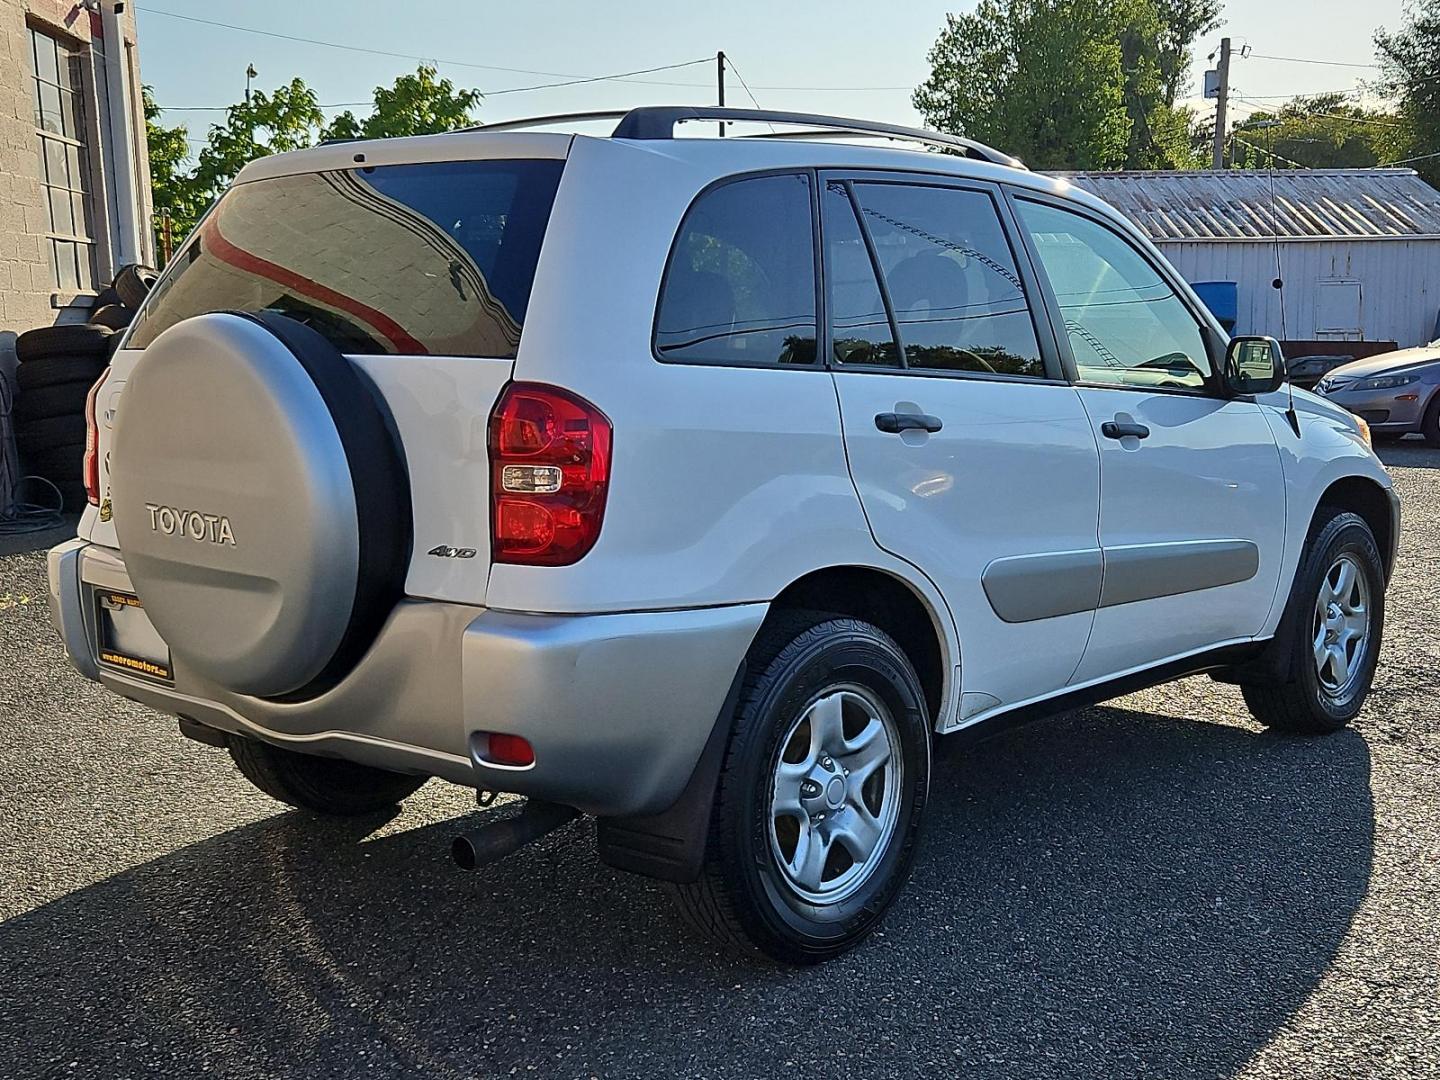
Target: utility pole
{"x": 1222, "y": 99}
{"x": 720, "y": 86}
{"x": 250, "y": 73}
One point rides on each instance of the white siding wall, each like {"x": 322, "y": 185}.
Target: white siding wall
{"x": 1399, "y": 283}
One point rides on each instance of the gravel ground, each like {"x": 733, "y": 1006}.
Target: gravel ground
{"x": 1154, "y": 887}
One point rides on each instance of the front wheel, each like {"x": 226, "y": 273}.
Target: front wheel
{"x": 818, "y": 808}
{"x": 1336, "y": 622}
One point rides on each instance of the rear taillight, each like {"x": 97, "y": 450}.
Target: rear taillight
{"x": 90, "y": 464}
{"x": 549, "y": 474}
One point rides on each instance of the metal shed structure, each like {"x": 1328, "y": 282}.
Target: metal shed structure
{"x": 1358, "y": 250}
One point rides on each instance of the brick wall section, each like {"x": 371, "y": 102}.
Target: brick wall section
{"x": 28, "y": 296}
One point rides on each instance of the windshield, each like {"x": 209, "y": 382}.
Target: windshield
{"x": 436, "y": 258}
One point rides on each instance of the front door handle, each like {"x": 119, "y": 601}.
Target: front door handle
{"x": 1117, "y": 429}
{"x": 895, "y": 422}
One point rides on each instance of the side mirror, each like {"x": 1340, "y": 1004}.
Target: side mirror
{"x": 1254, "y": 365}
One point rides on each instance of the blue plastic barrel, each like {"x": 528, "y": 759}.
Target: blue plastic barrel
{"x": 1223, "y": 300}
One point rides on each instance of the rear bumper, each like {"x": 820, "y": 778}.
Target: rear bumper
{"x": 617, "y": 707}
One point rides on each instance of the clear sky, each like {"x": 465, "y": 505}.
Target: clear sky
{"x": 777, "y": 47}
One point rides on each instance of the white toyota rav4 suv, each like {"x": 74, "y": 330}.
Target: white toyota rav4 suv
{"x": 697, "y": 484}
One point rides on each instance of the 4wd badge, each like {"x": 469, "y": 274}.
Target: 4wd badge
{"x": 444, "y": 551}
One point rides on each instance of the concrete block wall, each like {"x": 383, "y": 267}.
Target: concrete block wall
{"x": 28, "y": 294}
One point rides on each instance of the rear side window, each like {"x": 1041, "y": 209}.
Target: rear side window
{"x": 740, "y": 287}
{"x": 436, "y": 258}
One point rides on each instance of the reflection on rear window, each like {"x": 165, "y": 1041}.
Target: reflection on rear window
{"x": 435, "y": 258}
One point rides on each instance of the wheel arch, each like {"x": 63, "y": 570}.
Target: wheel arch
{"x": 916, "y": 620}
{"x": 1364, "y": 496}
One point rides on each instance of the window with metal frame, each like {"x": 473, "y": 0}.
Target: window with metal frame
{"x": 59, "y": 106}
{"x": 1125, "y": 323}
{"x": 740, "y": 285}
{"x": 861, "y": 333}
{"x": 955, "y": 295}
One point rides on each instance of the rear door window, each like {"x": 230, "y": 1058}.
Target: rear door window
{"x": 434, "y": 258}
{"x": 740, "y": 287}
{"x": 956, "y": 294}
{"x": 860, "y": 330}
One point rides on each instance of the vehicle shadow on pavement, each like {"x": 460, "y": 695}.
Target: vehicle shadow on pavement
{"x": 1410, "y": 453}
{"x": 1110, "y": 893}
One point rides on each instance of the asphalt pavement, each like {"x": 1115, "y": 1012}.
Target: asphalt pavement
{"x": 1152, "y": 888}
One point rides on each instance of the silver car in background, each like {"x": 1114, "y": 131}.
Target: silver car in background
{"x": 1396, "y": 393}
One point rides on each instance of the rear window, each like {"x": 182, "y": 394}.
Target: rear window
{"x": 436, "y": 258}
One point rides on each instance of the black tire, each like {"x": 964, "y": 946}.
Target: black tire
{"x": 133, "y": 282}
{"x": 67, "y": 339}
{"x": 53, "y": 432}
{"x": 115, "y": 316}
{"x": 1304, "y": 703}
{"x": 1430, "y": 426}
{"x": 61, "y": 399}
{"x": 743, "y": 895}
{"x": 56, "y": 370}
{"x": 324, "y": 785}
{"x": 107, "y": 296}
{"x": 62, "y": 465}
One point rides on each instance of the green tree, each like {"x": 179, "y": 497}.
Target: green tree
{"x": 171, "y": 191}
{"x": 1035, "y": 78}
{"x": 1181, "y": 23}
{"x": 1410, "y": 71}
{"x": 418, "y": 104}
{"x": 288, "y": 119}
{"x": 1325, "y": 131}
{"x": 1069, "y": 84}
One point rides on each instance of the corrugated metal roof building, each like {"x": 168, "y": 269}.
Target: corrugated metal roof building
{"x": 1358, "y": 250}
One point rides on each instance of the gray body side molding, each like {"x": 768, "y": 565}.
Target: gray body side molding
{"x": 1147, "y": 571}
{"x": 1024, "y": 588}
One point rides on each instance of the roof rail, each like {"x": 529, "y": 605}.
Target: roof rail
{"x": 554, "y": 118}
{"x": 658, "y": 122}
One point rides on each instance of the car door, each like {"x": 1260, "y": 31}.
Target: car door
{"x": 973, "y": 458}
{"x": 1192, "y": 504}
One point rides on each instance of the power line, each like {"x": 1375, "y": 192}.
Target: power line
{"x": 593, "y": 78}
{"x": 1308, "y": 60}
{"x": 1266, "y": 150}
{"x": 489, "y": 94}
{"x": 412, "y": 56}
{"x": 1408, "y": 160}
{"x": 1326, "y": 115}
{"x": 731, "y": 65}
{"x": 574, "y": 79}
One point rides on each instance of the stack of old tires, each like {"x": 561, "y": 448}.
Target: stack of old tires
{"x": 58, "y": 365}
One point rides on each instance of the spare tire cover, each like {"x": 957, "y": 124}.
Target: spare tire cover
{"x": 260, "y": 501}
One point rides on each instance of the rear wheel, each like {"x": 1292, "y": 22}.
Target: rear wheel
{"x": 819, "y": 803}
{"x": 1336, "y": 620}
{"x": 324, "y": 785}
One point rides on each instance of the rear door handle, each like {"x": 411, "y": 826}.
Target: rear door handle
{"x": 1116, "y": 429}
{"x": 896, "y": 422}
